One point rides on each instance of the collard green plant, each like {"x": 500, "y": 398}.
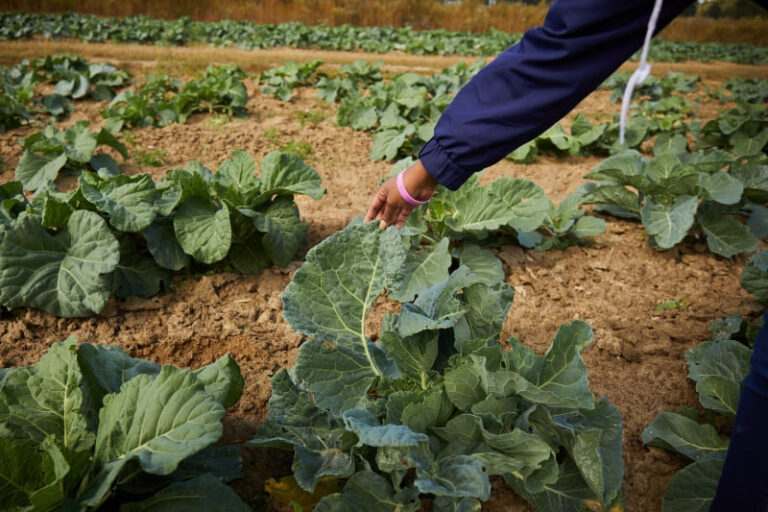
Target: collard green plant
{"x": 742, "y": 130}
{"x": 90, "y": 427}
{"x": 718, "y": 368}
{"x": 677, "y": 191}
{"x": 281, "y": 81}
{"x": 512, "y": 207}
{"x": 434, "y": 406}
{"x": 162, "y": 100}
{"x": 51, "y": 151}
{"x": 66, "y": 254}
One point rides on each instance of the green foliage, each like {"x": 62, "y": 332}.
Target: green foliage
{"x": 436, "y": 406}
{"x": 513, "y": 208}
{"x": 653, "y": 88}
{"x": 163, "y": 100}
{"x": 245, "y": 34}
{"x": 83, "y": 426}
{"x": 66, "y": 254}
{"x": 51, "y": 151}
{"x": 281, "y": 81}
{"x": 674, "y": 304}
{"x": 754, "y": 277}
{"x": 718, "y": 368}
{"x": 302, "y": 149}
{"x": 676, "y": 191}
{"x": 742, "y": 130}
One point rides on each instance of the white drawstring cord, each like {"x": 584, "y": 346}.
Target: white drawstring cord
{"x": 642, "y": 71}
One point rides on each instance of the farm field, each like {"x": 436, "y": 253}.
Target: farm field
{"x": 614, "y": 282}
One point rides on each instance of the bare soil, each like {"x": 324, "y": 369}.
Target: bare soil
{"x": 614, "y": 283}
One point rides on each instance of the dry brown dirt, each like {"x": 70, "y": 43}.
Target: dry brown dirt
{"x": 614, "y": 283}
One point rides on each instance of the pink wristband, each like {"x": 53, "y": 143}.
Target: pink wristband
{"x": 404, "y": 193}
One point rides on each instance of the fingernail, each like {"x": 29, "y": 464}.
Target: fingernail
{"x": 382, "y": 224}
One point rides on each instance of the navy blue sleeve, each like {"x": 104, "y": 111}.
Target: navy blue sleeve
{"x": 534, "y": 83}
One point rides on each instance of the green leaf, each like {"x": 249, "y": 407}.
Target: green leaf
{"x": 331, "y": 294}
{"x": 284, "y": 230}
{"x": 748, "y": 145}
{"x": 366, "y": 490}
{"x": 669, "y": 224}
{"x": 722, "y": 187}
{"x": 726, "y": 236}
{"x": 754, "y": 277}
{"x": 162, "y": 244}
{"x": 106, "y": 368}
{"x": 25, "y": 474}
{"x": 458, "y": 476}
{"x": 476, "y": 210}
{"x": 249, "y": 257}
{"x": 483, "y": 263}
{"x": 726, "y": 358}
{"x": 137, "y": 274}
{"x": 387, "y": 143}
{"x": 128, "y": 201}
{"x": 286, "y": 174}
{"x": 64, "y": 274}
{"x": 371, "y": 432}
{"x": 46, "y": 400}
{"x": 692, "y": 489}
{"x": 687, "y": 437}
{"x": 37, "y": 171}
{"x": 525, "y": 201}
{"x": 223, "y": 380}
{"x": 203, "y": 493}
{"x": 203, "y": 230}
{"x": 422, "y": 269}
{"x": 239, "y": 172}
{"x": 719, "y": 394}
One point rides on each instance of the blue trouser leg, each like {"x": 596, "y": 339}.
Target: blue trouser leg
{"x": 743, "y": 485}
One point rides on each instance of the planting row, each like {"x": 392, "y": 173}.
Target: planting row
{"x": 249, "y": 35}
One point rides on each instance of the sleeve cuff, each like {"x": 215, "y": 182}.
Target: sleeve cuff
{"x": 439, "y": 165}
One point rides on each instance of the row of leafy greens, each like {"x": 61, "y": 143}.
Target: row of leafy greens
{"x": 67, "y": 253}
{"x": 718, "y": 368}
{"x": 72, "y": 77}
{"x": 435, "y": 406}
{"x": 90, "y": 427}
{"x": 676, "y": 192}
{"x": 249, "y": 35}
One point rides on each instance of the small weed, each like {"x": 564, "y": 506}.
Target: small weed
{"x": 218, "y": 120}
{"x": 153, "y": 158}
{"x": 311, "y": 117}
{"x": 679, "y": 305}
{"x": 301, "y": 149}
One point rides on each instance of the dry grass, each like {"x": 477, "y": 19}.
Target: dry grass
{"x": 422, "y": 14}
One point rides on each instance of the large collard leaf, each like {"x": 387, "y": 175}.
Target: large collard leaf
{"x": 668, "y": 224}
{"x": 283, "y": 229}
{"x": 692, "y": 489}
{"x": 754, "y": 277}
{"x": 137, "y": 274}
{"x": 755, "y": 180}
{"x": 223, "y": 380}
{"x": 37, "y": 171}
{"x": 414, "y": 355}
{"x": 524, "y": 200}
{"x": 488, "y": 306}
{"x": 163, "y": 246}
{"x": 483, "y": 263}
{"x": 64, "y": 274}
{"x": 287, "y": 174}
{"x": 476, "y": 211}
{"x": 726, "y": 236}
{"x": 203, "y": 230}
{"x": 128, "y": 201}
{"x": 106, "y": 368}
{"x": 157, "y": 421}
{"x": 47, "y": 400}
{"x": 32, "y": 475}
{"x": 367, "y": 490}
{"x": 203, "y": 493}
{"x": 687, "y": 437}
{"x": 559, "y": 377}
{"x": 422, "y": 269}
{"x": 237, "y": 177}
{"x": 567, "y": 493}
{"x": 718, "y": 369}
{"x": 329, "y": 298}
{"x": 371, "y": 432}
{"x": 593, "y": 440}
{"x": 331, "y": 294}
